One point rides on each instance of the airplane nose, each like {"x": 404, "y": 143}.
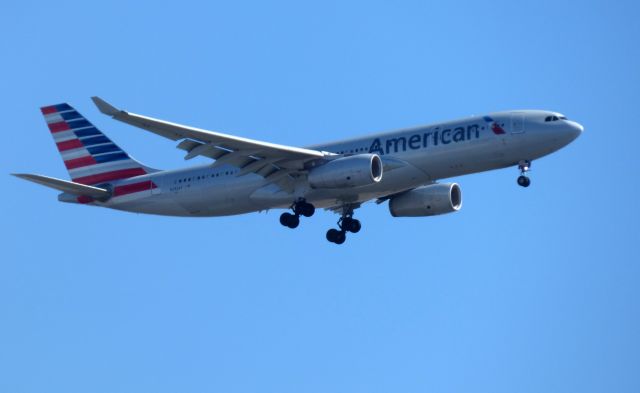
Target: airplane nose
{"x": 579, "y": 127}
{"x": 574, "y": 129}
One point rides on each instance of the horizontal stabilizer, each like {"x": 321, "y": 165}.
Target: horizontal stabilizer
{"x": 67, "y": 186}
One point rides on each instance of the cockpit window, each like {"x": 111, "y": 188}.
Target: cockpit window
{"x": 555, "y": 118}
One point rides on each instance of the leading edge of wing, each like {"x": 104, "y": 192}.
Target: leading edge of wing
{"x": 176, "y": 131}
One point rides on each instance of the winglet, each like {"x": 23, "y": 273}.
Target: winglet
{"x": 104, "y": 106}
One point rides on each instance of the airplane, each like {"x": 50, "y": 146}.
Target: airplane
{"x": 402, "y": 167}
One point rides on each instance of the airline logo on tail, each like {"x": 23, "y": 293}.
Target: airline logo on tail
{"x": 90, "y": 157}
{"x": 495, "y": 127}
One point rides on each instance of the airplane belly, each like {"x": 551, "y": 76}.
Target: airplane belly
{"x": 159, "y": 204}
{"x": 223, "y": 199}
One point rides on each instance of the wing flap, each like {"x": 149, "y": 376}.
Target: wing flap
{"x": 201, "y": 149}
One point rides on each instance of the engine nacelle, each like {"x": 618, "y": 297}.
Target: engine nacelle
{"x": 354, "y": 171}
{"x": 429, "y": 200}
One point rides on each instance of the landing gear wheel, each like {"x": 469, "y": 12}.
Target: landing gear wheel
{"x": 300, "y": 208}
{"x": 525, "y": 167}
{"x": 303, "y": 208}
{"x": 294, "y": 221}
{"x": 346, "y": 223}
{"x": 332, "y": 235}
{"x": 307, "y": 209}
{"x": 351, "y": 224}
{"x": 289, "y": 220}
{"x": 524, "y": 181}
{"x": 355, "y": 226}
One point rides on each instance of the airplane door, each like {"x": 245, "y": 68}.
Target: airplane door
{"x": 517, "y": 123}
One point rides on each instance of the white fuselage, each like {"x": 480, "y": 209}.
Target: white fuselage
{"x": 412, "y": 157}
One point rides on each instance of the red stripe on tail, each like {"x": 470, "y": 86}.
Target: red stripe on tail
{"x": 80, "y": 162}
{"x": 58, "y": 127}
{"x": 108, "y": 176}
{"x": 70, "y": 144}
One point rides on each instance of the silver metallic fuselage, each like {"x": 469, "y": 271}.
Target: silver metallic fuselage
{"x": 412, "y": 157}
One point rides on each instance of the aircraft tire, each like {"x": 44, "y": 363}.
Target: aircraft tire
{"x": 332, "y": 235}
{"x": 524, "y": 181}
{"x": 308, "y": 209}
{"x": 289, "y": 220}
{"x": 294, "y": 221}
{"x": 284, "y": 219}
{"x": 355, "y": 226}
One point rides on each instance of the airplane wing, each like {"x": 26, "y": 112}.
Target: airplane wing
{"x": 66, "y": 186}
{"x": 269, "y": 160}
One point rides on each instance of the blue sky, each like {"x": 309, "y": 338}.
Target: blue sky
{"x": 524, "y": 290}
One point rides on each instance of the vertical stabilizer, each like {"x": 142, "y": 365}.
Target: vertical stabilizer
{"x": 90, "y": 157}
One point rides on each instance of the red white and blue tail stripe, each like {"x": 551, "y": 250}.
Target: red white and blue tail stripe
{"x": 90, "y": 157}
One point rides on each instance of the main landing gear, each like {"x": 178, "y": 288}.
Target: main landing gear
{"x": 300, "y": 208}
{"x": 523, "y": 179}
{"x": 346, "y": 223}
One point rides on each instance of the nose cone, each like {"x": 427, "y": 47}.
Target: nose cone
{"x": 572, "y": 130}
{"x": 575, "y": 129}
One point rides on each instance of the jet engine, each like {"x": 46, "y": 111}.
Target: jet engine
{"x": 429, "y": 200}
{"x": 354, "y": 171}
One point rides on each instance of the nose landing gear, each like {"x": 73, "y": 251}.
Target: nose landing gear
{"x": 523, "y": 179}
{"x": 300, "y": 208}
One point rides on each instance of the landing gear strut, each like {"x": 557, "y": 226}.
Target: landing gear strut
{"x": 300, "y": 208}
{"x": 346, "y": 223}
{"x": 524, "y": 166}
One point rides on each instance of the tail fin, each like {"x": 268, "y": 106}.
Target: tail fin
{"x": 90, "y": 157}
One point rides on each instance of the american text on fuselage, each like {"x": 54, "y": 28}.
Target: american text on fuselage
{"x": 425, "y": 139}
